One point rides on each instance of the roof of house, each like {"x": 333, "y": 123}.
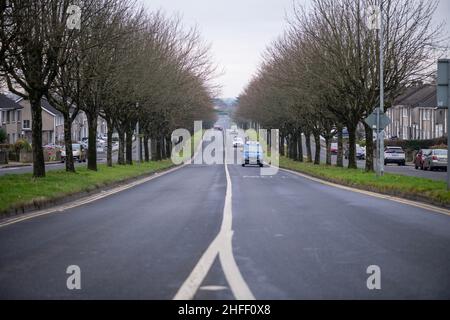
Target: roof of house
{"x": 6, "y": 103}
{"x": 419, "y": 96}
{"x": 45, "y": 104}
{"x": 15, "y": 99}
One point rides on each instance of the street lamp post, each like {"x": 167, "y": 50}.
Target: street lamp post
{"x": 375, "y": 22}
{"x": 380, "y": 136}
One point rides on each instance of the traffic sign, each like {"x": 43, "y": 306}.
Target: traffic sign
{"x": 372, "y": 120}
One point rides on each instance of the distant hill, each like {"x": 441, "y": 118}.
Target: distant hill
{"x": 222, "y": 103}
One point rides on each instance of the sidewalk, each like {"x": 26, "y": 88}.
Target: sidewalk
{"x": 13, "y": 164}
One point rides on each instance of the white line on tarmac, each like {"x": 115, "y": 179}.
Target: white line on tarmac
{"x": 222, "y": 246}
{"x": 88, "y": 199}
{"x": 416, "y": 204}
{"x": 102, "y": 194}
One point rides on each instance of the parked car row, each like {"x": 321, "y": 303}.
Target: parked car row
{"x": 431, "y": 159}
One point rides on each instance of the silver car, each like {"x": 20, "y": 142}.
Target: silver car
{"x": 436, "y": 159}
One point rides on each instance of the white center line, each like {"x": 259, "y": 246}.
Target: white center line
{"x": 222, "y": 245}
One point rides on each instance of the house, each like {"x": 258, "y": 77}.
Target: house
{"x": 15, "y": 119}
{"x": 11, "y": 118}
{"x": 51, "y": 121}
{"x": 415, "y": 115}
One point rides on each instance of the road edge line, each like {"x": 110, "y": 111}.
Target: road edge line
{"x": 412, "y": 203}
{"x": 88, "y": 199}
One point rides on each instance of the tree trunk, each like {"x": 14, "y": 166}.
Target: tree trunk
{"x": 36, "y": 137}
{"x": 294, "y": 146}
{"x": 308, "y": 147}
{"x": 281, "y": 146}
{"x": 158, "y": 149}
{"x": 369, "y": 148}
{"x": 92, "y": 145}
{"x": 129, "y": 146}
{"x": 70, "y": 167}
{"x": 109, "y": 161}
{"x": 340, "y": 155}
{"x": 352, "y": 148}
{"x": 141, "y": 158}
{"x": 318, "y": 149}
{"x": 300, "y": 147}
{"x": 146, "y": 149}
{"x": 121, "y": 155}
{"x": 168, "y": 147}
{"x": 328, "y": 146}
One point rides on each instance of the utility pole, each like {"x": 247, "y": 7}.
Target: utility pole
{"x": 375, "y": 22}
{"x": 380, "y": 135}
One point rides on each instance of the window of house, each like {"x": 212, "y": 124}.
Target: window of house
{"x": 405, "y": 113}
{"x": 19, "y": 115}
{"x": 439, "y": 130}
{"x": 8, "y": 116}
{"x": 59, "y": 120}
{"x": 13, "y": 116}
{"x": 26, "y": 124}
{"x": 405, "y": 132}
{"x": 427, "y": 115}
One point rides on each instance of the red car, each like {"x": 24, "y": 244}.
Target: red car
{"x": 420, "y": 158}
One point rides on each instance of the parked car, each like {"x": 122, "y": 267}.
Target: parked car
{"x": 79, "y": 153}
{"x": 360, "y": 153}
{"x": 436, "y": 159}
{"x": 334, "y": 148}
{"x": 394, "y": 155}
{"x": 420, "y": 158}
{"x": 238, "y": 142}
{"x": 218, "y": 128}
{"x": 253, "y": 154}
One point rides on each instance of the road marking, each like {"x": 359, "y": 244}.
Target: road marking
{"x": 86, "y": 200}
{"x": 222, "y": 245}
{"x": 374, "y": 194}
{"x": 102, "y": 194}
{"x": 213, "y": 288}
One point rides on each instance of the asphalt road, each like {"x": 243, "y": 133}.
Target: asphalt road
{"x": 408, "y": 170}
{"x": 290, "y": 238}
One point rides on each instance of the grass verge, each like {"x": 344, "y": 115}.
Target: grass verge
{"x": 21, "y": 191}
{"x": 413, "y": 188}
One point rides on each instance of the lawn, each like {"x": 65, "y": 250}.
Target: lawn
{"x": 414, "y": 188}
{"x": 22, "y": 190}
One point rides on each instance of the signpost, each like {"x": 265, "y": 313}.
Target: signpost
{"x": 378, "y": 121}
{"x": 443, "y": 99}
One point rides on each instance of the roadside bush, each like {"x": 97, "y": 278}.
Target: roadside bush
{"x": 22, "y": 145}
{"x": 415, "y": 145}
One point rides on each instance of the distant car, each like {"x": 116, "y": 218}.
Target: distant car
{"x": 334, "y": 148}
{"x": 360, "y": 153}
{"x": 420, "y": 158}
{"x": 253, "y": 154}
{"x": 238, "y": 142}
{"x": 394, "y": 155}
{"x": 436, "y": 160}
{"x": 78, "y": 151}
{"x": 218, "y": 128}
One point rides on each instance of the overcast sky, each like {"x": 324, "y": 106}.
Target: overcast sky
{"x": 240, "y": 30}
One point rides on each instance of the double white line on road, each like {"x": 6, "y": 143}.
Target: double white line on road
{"x": 221, "y": 246}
